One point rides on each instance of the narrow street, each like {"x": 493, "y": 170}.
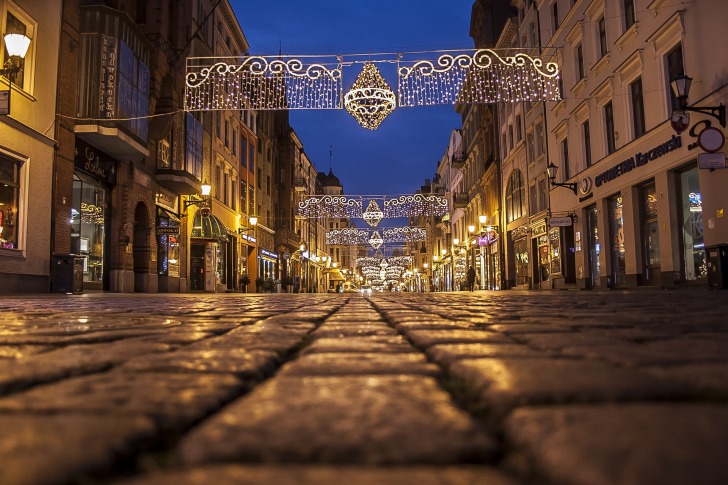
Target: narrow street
{"x": 487, "y": 387}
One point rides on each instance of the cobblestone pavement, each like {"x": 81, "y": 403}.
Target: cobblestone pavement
{"x": 455, "y": 388}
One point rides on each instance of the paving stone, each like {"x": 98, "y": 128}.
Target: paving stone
{"x": 628, "y": 444}
{"x": 427, "y": 338}
{"x": 335, "y": 330}
{"x": 20, "y": 351}
{"x": 326, "y": 475}
{"x": 353, "y": 419}
{"x": 49, "y": 449}
{"x": 447, "y": 353}
{"x": 562, "y": 340}
{"x": 527, "y": 327}
{"x": 374, "y": 343}
{"x": 246, "y": 364}
{"x": 505, "y": 383}
{"x": 69, "y": 361}
{"x": 434, "y": 324}
{"x": 712, "y": 378}
{"x": 171, "y": 400}
{"x": 338, "y": 363}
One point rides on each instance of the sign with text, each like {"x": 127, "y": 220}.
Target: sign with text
{"x": 711, "y": 160}
{"x": 560, "y": 221}
{"x": 94, "y": 162}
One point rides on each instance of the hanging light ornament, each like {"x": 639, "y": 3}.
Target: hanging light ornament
{"x": 370, "y": 99}
{"x": 376, "y": 240}
{"x": 373, "y": 214}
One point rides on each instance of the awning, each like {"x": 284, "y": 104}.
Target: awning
{"x": 209, "y": 227}
{"x": 335, "y": 275}
{"x": 164, "y": 213}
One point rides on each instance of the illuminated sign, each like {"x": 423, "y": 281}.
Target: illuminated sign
{"x": 638, "y": 160}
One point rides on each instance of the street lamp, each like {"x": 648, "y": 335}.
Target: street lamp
{"x": 252, "y": 220}
{"x": 17, "y": 46}
{"x": 551, "y": 172}
{"x": 681, "y": 89}
{"x": 204, "y": 200}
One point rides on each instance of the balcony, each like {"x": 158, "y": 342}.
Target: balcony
{"x": 458, "y": 159}
{"x": 460, "y": 201}
{"x": 178, "y": 181}
{"x": 299, "y": 184}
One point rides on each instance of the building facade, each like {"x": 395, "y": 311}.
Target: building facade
{"x": 27, "y": 141}
{"x": 643, "y": 210}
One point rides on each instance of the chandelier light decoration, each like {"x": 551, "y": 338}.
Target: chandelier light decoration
{"x": 376, "y": 240}
{"x": 423, "y": 79}
{"x": 373, "y": 214}
{"x": 370, "y": 99}
{"x": 394, "y": 206}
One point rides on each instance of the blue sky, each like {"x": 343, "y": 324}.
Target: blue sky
{"x": 404, "y": 150}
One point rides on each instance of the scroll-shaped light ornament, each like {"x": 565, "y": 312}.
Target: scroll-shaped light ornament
{"x": 370, "y": 99}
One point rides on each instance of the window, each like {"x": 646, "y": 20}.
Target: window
{"x": 586, "y": 133}
{"x": 218, "y": 181}
{"x": 260, "y": 177}
{"x": 565, "y": 158}
{"x": 609, "y": 126}
{"x": 217, "y": 125}
{"x": 225, "y": 182}
{"x": 674, "y": 60}
{"x": 515, "y": 197}
{"x": 133, "y": 92}
{"x": 510, "y": 137}
{"x": 530, "y": 148}
{"x": 9, "y": 202}
{"x": 163, "y": 148}
{"x": 267, "y": 184}
{"x": 193, "y": 146}
{"x": 602, "y": 26}
{"x": 233, "y": 145}
{"x": 539, "y": 140}
{"x": 505, "y": 146}
{"x": 251, "y": 200}
{"x": 243, "y": 152}
{"x": 243, "y": 196}
{"x": 251, "y": 157}
{"x": 629, "y": 17}
{"x": 532, "y": 32}
{"x": 579, "y": 62}
{"x": 519, "y": 129}
{"x": 542, "y": 194}
{"x": 555, "y": 14}
{"x": 638, "y": 107}
{"x": 233, "y": 199}
{"x": 227, "y": 130}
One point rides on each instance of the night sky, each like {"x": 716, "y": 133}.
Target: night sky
{"x": 404, "y": 150}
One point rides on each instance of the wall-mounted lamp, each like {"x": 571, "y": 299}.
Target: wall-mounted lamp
{"x": 551, "y": 172}
{"x": 471, "y": 228}
{"x": 252, "y": 220}
{"x": 17, "y": 46}
{"x": 205, "y": 189}
{"x": 681, "y": 88}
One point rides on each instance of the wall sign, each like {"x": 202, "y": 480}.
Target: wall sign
{"x": 94, "y": 162}
{"x": 638, "y": 160}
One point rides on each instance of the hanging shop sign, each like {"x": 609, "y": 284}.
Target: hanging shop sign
{"x": 94, "y": 162}
{"x": 270, "y": 254}
{"x": 560, "y": 221}
{"x": 638, "y": 160}
{"x": 167, "y": 230}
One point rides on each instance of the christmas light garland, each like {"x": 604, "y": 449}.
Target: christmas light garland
{"x": 423, "y": 79}
{"x": 394, "y": 206}
{"x": 352, "y": 236}
{"x": 415, "y": 205}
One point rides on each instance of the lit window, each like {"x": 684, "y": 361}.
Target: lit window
{"x": 9, "y": 201}
{"x": 17, "y": 22}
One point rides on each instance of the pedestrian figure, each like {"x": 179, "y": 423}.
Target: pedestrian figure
{"x": 471, "y": 278}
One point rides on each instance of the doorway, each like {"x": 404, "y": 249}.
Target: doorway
{"x": 141, "y": 248}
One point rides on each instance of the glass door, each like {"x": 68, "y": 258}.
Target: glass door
{"x": 616, "y": 222}
{"x": 693, "y": 264}
{"x": 650, "y": 235}
{"x": 593, "y": 247}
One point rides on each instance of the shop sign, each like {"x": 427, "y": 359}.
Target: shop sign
{"x": 560, "y": 221}
{"x": 250, "y": 239}
{"x": 94, "y": 162}
{"x": 270, "y": 254}
{"x": 638, "y": 160}
{"x": 487, "y": 239}
{"x": 711, "y": 161}
{"x": 167, "y": 230}
{"x": 108, "y": 76}
{"x": 286, "y": 256}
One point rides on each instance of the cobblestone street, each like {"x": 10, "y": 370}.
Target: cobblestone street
{"x": 458, "y": 388}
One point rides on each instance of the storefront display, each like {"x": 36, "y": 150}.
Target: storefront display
{"x": 616, "y": 229}
{"x": 88, "y": 216}
{"x": 693, "y": 254}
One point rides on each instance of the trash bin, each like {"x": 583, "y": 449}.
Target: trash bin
{"x": 717, "y": 258}
{"x": 67, "y": 273}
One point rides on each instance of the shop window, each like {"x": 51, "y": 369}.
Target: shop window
{"x": 650, "y": 234}
{"x": 9, "y": 202}
{"x": 616, "y": 221}
{"x": 594, "y": 247}
{"x": 520, "y": 249}
{"x": 167, "y": 244}
{"x": 88, "y": 216}
{"x": 693, "y": 256}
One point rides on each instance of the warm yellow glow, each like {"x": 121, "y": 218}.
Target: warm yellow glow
{"x": 483, "y": 219}
{"x": 205, "y": 188}
{"x": 425, "y": 265}
{"x": 434, "y": 258}
{"x": 370, "y": 99}
{"x": 253, "y": 220}
{"x": 456, "y": 241}
{"x": 471, "y": 229}
{"x": 443, "y": 251}
{"x": 17, "y": 45}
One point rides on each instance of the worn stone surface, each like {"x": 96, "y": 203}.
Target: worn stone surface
{"x": 353, "y": 419}
{"x": 633, "y": 444}
{"x": 38, "y": 449}
{"x": 328, "y": 388}
{"x": 327, "y": 475}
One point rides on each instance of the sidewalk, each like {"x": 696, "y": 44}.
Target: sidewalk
{"x": 427, "y": 388}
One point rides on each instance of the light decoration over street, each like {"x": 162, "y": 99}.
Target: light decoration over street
{"x": 351, "y": 236}
{"x": 423, "y": 79}
{"x": 376, "y": 240}
{"x": 414, "y": 205}
{"x": 370, "y": 99}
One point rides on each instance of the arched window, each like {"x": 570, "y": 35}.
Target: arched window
{"x": 515, "y": 197}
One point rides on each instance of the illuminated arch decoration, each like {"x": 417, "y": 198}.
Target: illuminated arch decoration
{"x": 394, "y": 206}
{"x": 423, "y": 79}
{"x": 337, "y": 206}
{"x": 404, "y": 234}
{"x": 351, "y": 236}
{"x": 348, "y": 236}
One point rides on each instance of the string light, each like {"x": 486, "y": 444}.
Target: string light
{"x": 415, "y": 205}
{"x": 373, "y": 214}
{"x": 336, "y": 206}
{"x": 376, "y": 240}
